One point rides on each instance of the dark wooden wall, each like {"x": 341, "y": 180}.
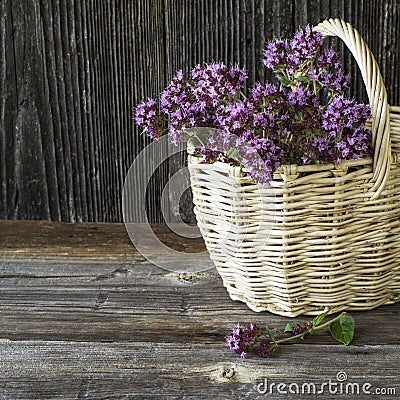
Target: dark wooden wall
{"x": 72, "y": 70}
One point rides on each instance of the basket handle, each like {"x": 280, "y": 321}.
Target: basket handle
{"x": 376, "y": 93}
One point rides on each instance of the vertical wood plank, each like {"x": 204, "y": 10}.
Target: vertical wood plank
{"x": 27, "y": 183}
{"x": 54, "y": 143}
{"x": 147, "y": 55}
{"x": 85, "y": 118}
{"x": 8, "y": 106}
{"x": 71, "y": 72}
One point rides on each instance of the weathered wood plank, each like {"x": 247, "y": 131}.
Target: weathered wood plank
{"x": 8, "y": 107}
{"x": 72, "y": 71}
{"x": 43, "y": 266}
{"x": 106, "y": 324}
{"x": 102, "y": 303}
{"x": 25, "y": 162}
{"x": 45, "y": 369}
{"x": 89, "y": 241}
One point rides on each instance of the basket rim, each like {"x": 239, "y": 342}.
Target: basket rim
{"x": 290, "y": 168}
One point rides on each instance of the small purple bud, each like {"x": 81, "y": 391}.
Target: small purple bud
{"x": 297, "y": 329}
{"x": 265, "y": 349}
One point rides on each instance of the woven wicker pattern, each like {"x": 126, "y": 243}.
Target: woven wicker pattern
{"x": 321, "y": 235}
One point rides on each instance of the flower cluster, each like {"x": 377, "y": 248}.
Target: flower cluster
{"x": 194, "y": 101}
{"x": 242, "y": 339}
{"x": 294, "y": 54}
{"x": 253, "y": 339}
{"x": 298, "y": 329}
{"x": 147, "y": 117}
{"x": 304, "y": 119}
{"x": 299, "y": 61}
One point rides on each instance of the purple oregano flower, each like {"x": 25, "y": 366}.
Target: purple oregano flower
{"x": 241, "y": 338}
{"x": 271, "y": 125}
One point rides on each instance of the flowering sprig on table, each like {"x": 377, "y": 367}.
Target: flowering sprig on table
{"x": 253, "y": 339}
{"x": 305, "y": 119}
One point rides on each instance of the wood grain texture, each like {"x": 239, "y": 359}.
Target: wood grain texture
{"x": 143, "y": 370}
{"x": 72, "y": 71}
{"x": 83, "y": 315}
{"x": 89, "y": 242}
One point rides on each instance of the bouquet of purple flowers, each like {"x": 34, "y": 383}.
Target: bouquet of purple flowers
{"x": 305, "y": 119}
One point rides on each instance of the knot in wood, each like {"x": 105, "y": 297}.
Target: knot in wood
{"x": 183, "y": 276}
{"x": 228, "y": 373}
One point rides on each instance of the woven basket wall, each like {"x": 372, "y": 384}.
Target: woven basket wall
{"x": 321, "y": 235}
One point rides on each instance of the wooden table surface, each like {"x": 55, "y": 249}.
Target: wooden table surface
{"x": 84, "y": 316}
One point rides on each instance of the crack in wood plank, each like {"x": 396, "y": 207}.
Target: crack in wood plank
{"x": 101, "y": 300}
{"x": 84, "y": 388}
{"x": 119, "y": 272}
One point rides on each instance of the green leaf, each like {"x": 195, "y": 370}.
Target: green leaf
{"x": 285, "y": 81}
{"x": 298, "y": 115}
{"x": 318, "y": 319}
{"x": 269, "y": 333}
{"x": 307, "y": 132}
{"x": 343, "y": 329}
{"x": 289, "y": 326}
{"x": 303, "y": 79}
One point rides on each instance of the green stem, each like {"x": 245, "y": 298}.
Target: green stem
{"x": 315, "y": 87}
{"x": 314, "y": 329}
{"x": 243, "y": 95}
{"x": 313, "y": 79}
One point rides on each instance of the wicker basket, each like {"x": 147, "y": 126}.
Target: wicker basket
{"x": 320, "y": 236}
